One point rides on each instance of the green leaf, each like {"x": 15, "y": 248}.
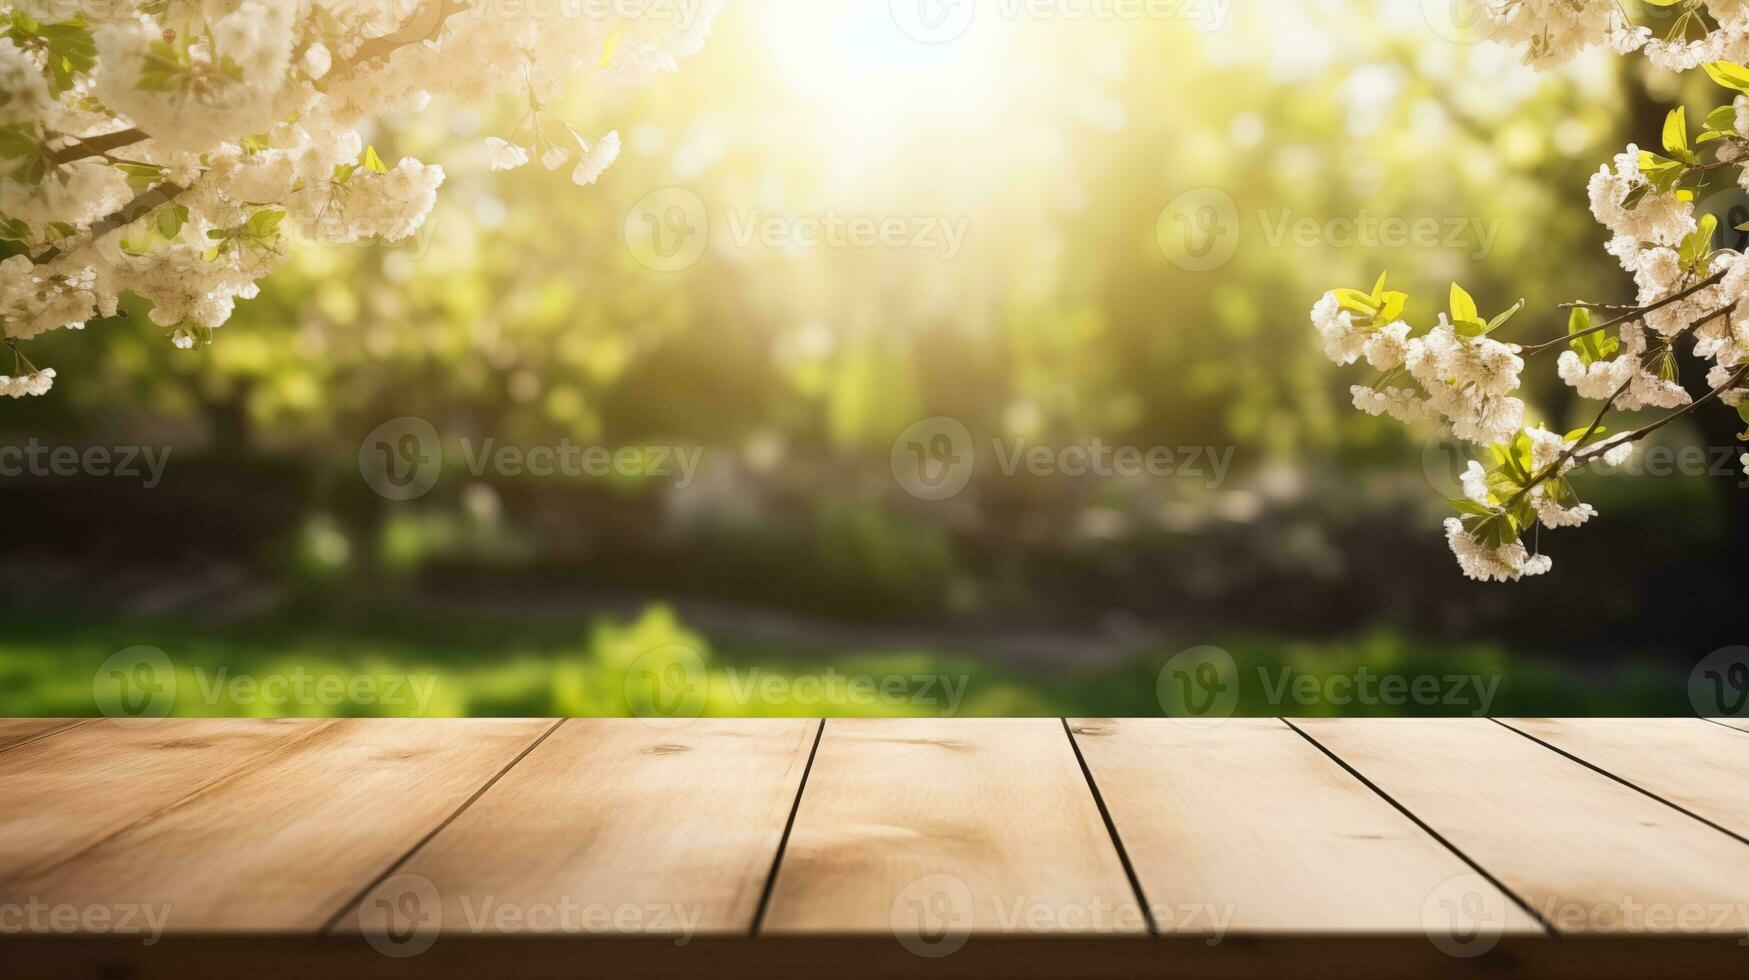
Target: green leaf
{"x": 1495, "y": 530}
{"x": 375, "y": 164}
{"x": 171, "y": 220}
{"x": 1495, "y": 323}
{"x": 66, "y": 47}
{"x": 1391, "y": 307}
{"x": 1676, "y": 131}
{"x": 1723, "y": 119}
{"x": 141, "y": 175}
{"x": 1465, "y": 505}
{"x": 1698, "y": 245}
{"x": 1729, "y": 75}
{"x": 1462, "y": 306}
{"x": 19, "y": 140}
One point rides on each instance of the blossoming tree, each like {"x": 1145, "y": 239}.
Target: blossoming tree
{"x": 174, "y": 148}
{"x": 1458, "y": 374}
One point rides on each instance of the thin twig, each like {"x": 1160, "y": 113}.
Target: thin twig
{"x": 1634, "y": 314}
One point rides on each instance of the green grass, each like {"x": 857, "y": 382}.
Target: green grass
{"x": 654, "y": 665}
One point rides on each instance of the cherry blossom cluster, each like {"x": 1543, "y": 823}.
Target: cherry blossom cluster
{"x": 168, "y": 150}
{"x": 1459, "y": 375}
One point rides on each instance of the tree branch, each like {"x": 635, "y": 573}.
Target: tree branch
{"x": 1634, "y": 313}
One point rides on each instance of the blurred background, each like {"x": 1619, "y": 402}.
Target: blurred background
{"x": 855, "y": 260}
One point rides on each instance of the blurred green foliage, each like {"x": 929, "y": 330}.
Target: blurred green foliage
{"x": 522, "y": 313}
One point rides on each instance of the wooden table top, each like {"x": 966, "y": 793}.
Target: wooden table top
{"x": 998, "y": 847}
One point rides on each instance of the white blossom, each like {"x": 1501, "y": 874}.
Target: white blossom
{"x": 1484, "y": 564}
{"x": 243, "y": 118}
{"x": 504, "y": 155}
{"x": 596, "y": 160}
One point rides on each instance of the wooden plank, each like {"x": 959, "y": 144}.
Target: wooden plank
{"x": 1740, "y": 724}
{"x": 946, "y": 827}
{"x": 1587, "y": 853}
{"x": 1249, "y": 821}
{"x": 616, "y": 827}
{"x": 286, "y": 845}
{"x": 1696, "y": 765}
{"x": 67, "y": 793}
{"x": 17, "y": 731}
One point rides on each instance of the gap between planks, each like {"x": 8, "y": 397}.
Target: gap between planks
{"x": 1426, "y": 828}
{"x": 1123, "y": 854}
{"x": 345, "y": 907}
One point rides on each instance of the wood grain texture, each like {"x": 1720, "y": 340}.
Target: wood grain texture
{"x": 613, "y": 826}
{"x": 987, "y": 826}
{"x": 1587, "y": 853}
{"x": 1249, "y": 818}
{"x": 18, "y": 731}
{"x": 285, "y": 845}
{"x": 1740, "y": 724}
{"x": 66, "y": 793}
{"x": 1699, "y": 766}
